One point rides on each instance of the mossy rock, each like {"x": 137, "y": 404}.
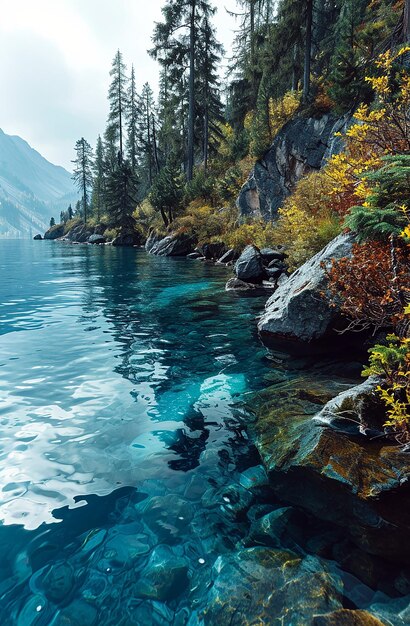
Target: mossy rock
{"x": 355, "y": 482}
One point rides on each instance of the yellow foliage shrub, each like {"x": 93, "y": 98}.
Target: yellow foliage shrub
{"x": 260, "y": 233}
{"x": 206, "y": 223}
{"x": 264, "y": 124}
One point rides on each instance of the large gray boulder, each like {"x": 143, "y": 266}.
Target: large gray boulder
{"x": 300, "y": 309}
{"x": 249, "y": 267}
{"x": 171, "y": 245}
{"x": 37, "y": 237}
{"x": 303, "y": 145}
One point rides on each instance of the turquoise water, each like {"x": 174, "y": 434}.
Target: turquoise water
{"x": 120, "y": 381}
{"x": 128, "y": 483}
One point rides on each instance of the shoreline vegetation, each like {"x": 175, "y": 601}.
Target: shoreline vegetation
{"x": 304, "y": 190}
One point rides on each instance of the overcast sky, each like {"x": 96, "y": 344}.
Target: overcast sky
{"x": 55, "y": 57}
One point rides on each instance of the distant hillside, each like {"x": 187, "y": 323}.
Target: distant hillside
{"x": 31, "y": 189}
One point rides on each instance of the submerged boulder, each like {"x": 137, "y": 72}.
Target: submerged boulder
{"x": 265, "y": 586}
{"x": 249, "y": 267}
{"x": 357, "y": 482}
{"x": 164, "y": 577}
{"x": 300, "y": 308}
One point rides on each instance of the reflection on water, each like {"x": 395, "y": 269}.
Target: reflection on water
{"x": 116, "y": 370}
{"x": 123, "y": 455}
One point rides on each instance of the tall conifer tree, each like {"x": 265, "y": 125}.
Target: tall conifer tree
{"x": 83, "y": 172}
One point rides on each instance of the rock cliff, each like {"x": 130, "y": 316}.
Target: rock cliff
{"x": 303, "y": 144}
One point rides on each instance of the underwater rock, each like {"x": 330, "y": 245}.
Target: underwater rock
{"x": 359, "y": 484}
{"x": 233, "y": 498}
{"x": 345, "y": 617}
{"x": 58, "y": 582}
{"x": 147, "y": 612}
{"x": 164, "y": 577}
{"x": 265, "y": 586}
{"x": 268, "y": 530}
{"x": 249, "y": 267}
{"x": 167, "y": 516}
{"x": 394, "y": 612}
{"x": 78, "y": 613}
{"x": 254, "y": 477}
{"x": 300, "y": 309}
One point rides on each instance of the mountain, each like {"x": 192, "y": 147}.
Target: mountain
{"x": 31, "y": 189}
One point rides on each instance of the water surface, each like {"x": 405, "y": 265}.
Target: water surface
{"x": 120, "y": 378}
{"x": 124, "y": 453}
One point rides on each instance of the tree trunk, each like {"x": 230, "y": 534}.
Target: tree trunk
{"x": 206, "y": 103}
{"x": 154, "y": 142}
{"x": 120, "y": 103}
{"x": 148, "y": 120}
{"x": 308, "y": 50}
{"x": 252, "y": 44}
{"x": 406, "y": 22}
{"x": 84, "y": 184}
{"x": 191, "y": 114}
{"x": 164, "y": 218}
{"x": 294, "y": 68}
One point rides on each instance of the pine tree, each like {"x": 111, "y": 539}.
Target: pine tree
{"x": 133, "y": 114}
{"x": 52, "y": 222}
{"x": 207, "y": 88}
{"x": 167, "y": 192}
{"x": 117, "y": 97}
{"x": 349, "y": 62}
{"x": 83, "y": 172}
{"x": 145, "y": 133}
{"x": 99, "y": 170}
{"x": 121, "y": 195}
{"x": 177, "y": 46}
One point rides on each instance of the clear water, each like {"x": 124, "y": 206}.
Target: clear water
{"x": 123, "y": 442}
{"x": 120, "y": 377}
